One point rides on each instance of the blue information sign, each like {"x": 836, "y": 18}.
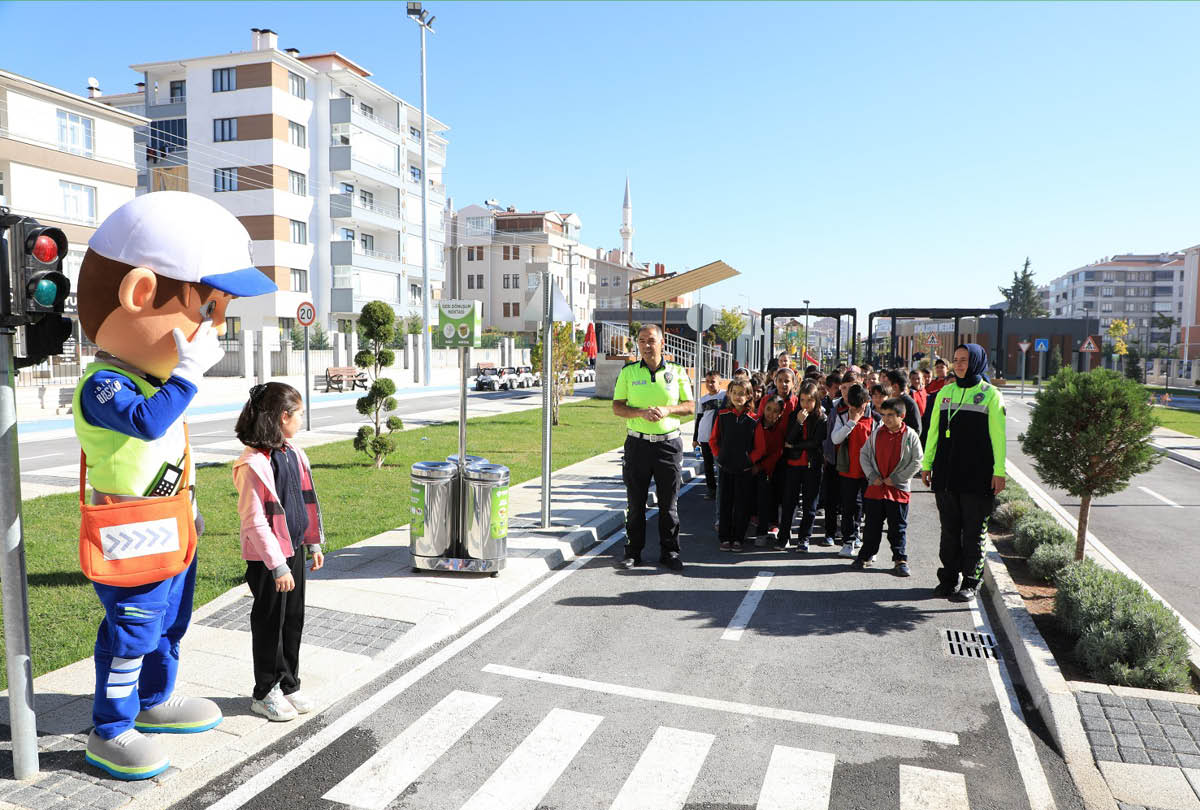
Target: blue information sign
{"x": 1041, "y": 344}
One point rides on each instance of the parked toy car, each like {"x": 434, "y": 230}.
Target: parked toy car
{"x": 509, "y": 379}
{"x": 487, "y": 379}
{"x": 526, "y": 377}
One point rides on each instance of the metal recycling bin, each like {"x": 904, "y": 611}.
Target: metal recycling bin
{"x": 485, "y": 536}
{"x": 470, "y": 459}
{"x": 431, "y": 530}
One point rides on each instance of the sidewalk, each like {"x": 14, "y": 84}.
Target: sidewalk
{"x": 1175, "y": 444}
{"x": 366, "y": 611}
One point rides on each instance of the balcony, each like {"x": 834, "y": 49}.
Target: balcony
{"x": 349, "y": 254}
{"x": 347, "y": 111}
{"x": 351, "y": 207}
{"x": 166, "y": 107}
{"x": 342, "y": 159}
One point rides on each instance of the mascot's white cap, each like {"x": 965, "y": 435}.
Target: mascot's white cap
{"x": 185, "y": 237}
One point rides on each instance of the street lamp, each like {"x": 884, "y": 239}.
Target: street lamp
{"x": 423, "y": 18}
{"x": 806, "y": 331}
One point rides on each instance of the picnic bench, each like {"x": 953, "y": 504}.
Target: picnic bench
{"x": 340, "y": 377}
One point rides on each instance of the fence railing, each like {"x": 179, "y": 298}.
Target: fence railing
{"x": 614, "y": 338}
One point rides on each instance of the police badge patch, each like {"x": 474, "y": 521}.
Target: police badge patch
{"x": 978, "y": 398}
{"x": 668, "y": 378}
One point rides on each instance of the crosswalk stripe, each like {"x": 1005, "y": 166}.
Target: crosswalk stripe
{"x": 741, "y": 616}
{"x": 664, "y": 773}
{"x": 927, "y": 789}
{"x": 797, "y": 780}
{"x": 387, "y": 774}
{"x": 535, "y": 765}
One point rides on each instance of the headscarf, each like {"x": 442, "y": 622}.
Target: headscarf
{"x": 977, "y": 364}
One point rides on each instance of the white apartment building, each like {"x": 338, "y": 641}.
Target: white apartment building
{"x": 66, "y": 160}
{"x": 1133, "y": 287}
{"x": 321, "y": 165}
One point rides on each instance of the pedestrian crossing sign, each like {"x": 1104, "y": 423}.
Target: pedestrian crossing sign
{"x": 1041, "y": 344}
{"x": 1089, "y": 345}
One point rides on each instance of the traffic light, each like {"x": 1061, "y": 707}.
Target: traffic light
{"x": 39, "y": 285}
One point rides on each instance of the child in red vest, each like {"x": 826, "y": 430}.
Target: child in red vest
{"x": 803, "y": 460}
{"x": 768, "y": 447}
{"x": 891, "y": 457}
{"x": 849, "y": 432}
{"x": 731, "y": 442}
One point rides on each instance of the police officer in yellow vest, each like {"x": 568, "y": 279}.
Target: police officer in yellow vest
{"x": 649, "y": 395}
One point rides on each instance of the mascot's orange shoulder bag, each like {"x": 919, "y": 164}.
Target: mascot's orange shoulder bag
{"x": 136, "y": 542}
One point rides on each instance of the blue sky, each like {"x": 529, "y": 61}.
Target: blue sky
{"x": 867, "y": 155}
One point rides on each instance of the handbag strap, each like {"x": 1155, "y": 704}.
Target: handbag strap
{"x": 183, "y": 482}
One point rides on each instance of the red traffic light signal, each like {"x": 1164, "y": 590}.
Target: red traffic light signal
{"x": 45, "y": 249}
{"x": 41, "y": 287}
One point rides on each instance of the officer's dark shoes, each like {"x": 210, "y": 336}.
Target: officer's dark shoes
{"x": 179, "y": 715}
{"x": 901, "y": 569}
{"x": 967, "y": 594}
{"x": 628, "y": 562}
{"x": 673, "y": 561}
{"x": 943, "y": 591}
{"x": 129, "y": 756}
{"x": 859, "y": 565}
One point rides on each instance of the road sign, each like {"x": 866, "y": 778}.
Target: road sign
{"x": 700, "y": 317}
{"x": 932, "y": 340}
{"x": 306, "y": 314}
{"x": 1024, "y": 344}
{"x": 1090, "y": 345}
{"x": 1041, "y": 344}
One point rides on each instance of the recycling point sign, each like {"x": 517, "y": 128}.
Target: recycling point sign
{"x": 460, "y": 323}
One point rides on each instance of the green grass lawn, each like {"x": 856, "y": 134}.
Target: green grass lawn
{"x": 357, "y": 500}
{"x": 1177, "y": 419}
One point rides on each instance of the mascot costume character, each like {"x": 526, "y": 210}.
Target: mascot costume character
{"x": 153, "y": 289}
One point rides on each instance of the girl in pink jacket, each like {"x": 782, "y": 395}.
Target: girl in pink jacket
{"x": 279, "y": 514}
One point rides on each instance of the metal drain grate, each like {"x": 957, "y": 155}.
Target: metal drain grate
{"x": 969, "y": 644}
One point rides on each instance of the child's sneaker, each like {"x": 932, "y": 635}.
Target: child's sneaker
{"x": 801, "y": 547}
{"x": 847, "y": 550}
{"x": 859, "y": 564}
{"x": 726, "y": 546}
{"x": 761, "y": 541}
{"x": 901, "y": 569}
{"x": 274, "y": 707}
{"x": 828, "y": 542}
{"x": 736, "y": 546}
{"x": 300, "y": 703}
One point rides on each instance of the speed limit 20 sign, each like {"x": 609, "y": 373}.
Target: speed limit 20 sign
{"x": 306, "y": 314}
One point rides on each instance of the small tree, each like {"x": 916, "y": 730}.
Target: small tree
{"x": 1134, "y": 369}
{"x": 1022, "y": 295}
{"x": 1089, "y": 435}
{"x": 377, "y": 326}
{"x": 318, "y": 338}
{"x": 566, "y": 357}
{"x": 1117, "y": 331}
{"x": 728, "y": 327}
{"x": 1056, "y": 361}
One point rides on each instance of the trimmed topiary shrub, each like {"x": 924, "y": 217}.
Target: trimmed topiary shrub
{"x": 1006, "y": 515}
{"x": 1124, "y": 635}
{"x": 1012, "y": 492}
{"x": 1038, "y": 528}
{"x": 1050, "y": 558}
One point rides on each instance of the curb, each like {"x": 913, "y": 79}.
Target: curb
{"x": 1180, "y": 457}
{"x": 1049, "y": 690}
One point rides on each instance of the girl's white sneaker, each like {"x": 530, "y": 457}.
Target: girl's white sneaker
{"x": 275, "y": 707}
{"x": 300, "y": 703}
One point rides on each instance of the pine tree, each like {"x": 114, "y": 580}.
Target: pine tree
{"x": 377, "y": 324}
{"x": 1022, "y": 295}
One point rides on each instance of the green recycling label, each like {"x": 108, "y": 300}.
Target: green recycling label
{"x": 416, "y": 529}
{"x": 460, "y": 323}
{"x": 499, "y": 513}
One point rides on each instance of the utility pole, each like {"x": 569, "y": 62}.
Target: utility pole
{"x": 423, "y": 19}
{"x": 571, "y": 284}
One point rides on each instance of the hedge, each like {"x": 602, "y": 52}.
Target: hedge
{"x": 1123, "y": 634}
{"x": 1012, "y": 492}
{"x": 1036, "y": 529}
{"x": 1050, "y": 558}
{"x": 1006, "y": 515}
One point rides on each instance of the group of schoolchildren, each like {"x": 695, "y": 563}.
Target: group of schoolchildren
{"x": 778, "y": 445}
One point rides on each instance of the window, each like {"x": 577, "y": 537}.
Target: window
{"x": 479, "y": 226}
{"x": 1106, "y": 307}
{"x": 1107, "y": 292}
{"x": 285, "y": 329}
{"x": 75, "y": 133}
{"x": 233, "y": 329}
{"x": 224, "y": 129}
{"x": 368, "y": 242}
{"x": 367, "y": 109}
{"x": 507, "y": 310}
{"x": 347, "y": 235}
{"x": 516, "y": 252}
{"x": 79, "y": 201}
{"x": 296, "y": 135}
{"x": 347, "y": 188}
{"x": 479, "y": 281}
{"x": 225, "y": 180}
{"x": 297, "y": 183}
{"x": 224, "y": 79}
{"x": 299, "y": 232}
{"x": 414, "y": 133}
{"x": 470, "y": 281}
{"x": 299, "y": 280}
{"x": 1, "y": 187}
{"x": 414, "y": 292}
{"x": 367, "y": 199}
{"x": 415, "y": 173}
{"x": 296, "y": 84}
{"x": 516, "y": 310}
{"x": 1162, "y": 306}
{"x": 603, "y": 281}
{"x": 506, "y": 283}
{"x": 506, "y": 252}
{"x": 168, "y": 135}
{"x": 533, "y": 281}
{"x": 178, "y": 90}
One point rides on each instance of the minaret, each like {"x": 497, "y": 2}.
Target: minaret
{"x": 627, "y": 228}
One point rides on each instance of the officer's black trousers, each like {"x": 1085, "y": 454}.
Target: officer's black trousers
{"x": 646, "y": 461}
{"x": 964, "y": 518}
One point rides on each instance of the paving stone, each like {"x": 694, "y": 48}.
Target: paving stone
{"x": 1183, "y": 746}
{"x": 98, "y": 793}
{"x": 1130, "y": 741}
{"x": 134, "y": 788}
{"x": 1127, "y": 806}
{"x": 1111, "y": 700}
{"x": 1143, "y": 716}
{"x": 1095, "y": 710}
{"x": 1163, "y": 758}
{"x": 42, "y": 800}
{"x": 25, "y": 796}
{"x": 1134, "y": 756}
{"x": 1136, "y": 703}
{"x": 1188, "y": 760}
{"x": 1169, "y": 718}
{"x": 1106, "y": 754}
{"x": 1161, "y": 705}
{"x": 70, "y": 786}
{"x": 1157, "y": 744}
{"x": 1101, "y": 738}
{"x": 1124, "y": 727}
{"x": 112, "y": 801}
{"x": 1150, "y": 730}
{"x": 1188, "y": 708}
{"x": 1191, "y": 720}
{"x": 1178, "y": 732}
{"x": 1114, "y": 713}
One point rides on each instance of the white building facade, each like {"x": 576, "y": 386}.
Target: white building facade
{"x": 319, "y": 163}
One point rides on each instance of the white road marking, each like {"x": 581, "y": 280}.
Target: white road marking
{"x": 378, "y": 781}
{"x": 741, "y": 616}
{"x": 533, "y": 767}
{"x": 1015, "y": 419}
{"x": 1037, "y": 788}
{"x": 797, "y": 780}
{"x": 713, "y": 704}
{"x": 47, "y": 455}
{"x": 213, "y": 433}
{"x": 663, "y": 776}
{"x": 1154, "y": 494}
{"x": 927, "y": 789}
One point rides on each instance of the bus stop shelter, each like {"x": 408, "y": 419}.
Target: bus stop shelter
{"x": 956, "y": 315}
{"x": 811, "y": 312}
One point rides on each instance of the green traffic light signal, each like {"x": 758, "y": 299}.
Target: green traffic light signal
{"x": 45, "y": 292}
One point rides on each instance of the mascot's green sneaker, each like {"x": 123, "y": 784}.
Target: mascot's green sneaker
{"x": 179, "y": 715}
{"x": 129, "y": 755}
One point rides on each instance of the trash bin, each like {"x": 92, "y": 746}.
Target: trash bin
{"x": 431, "y": 530}
{"x": 485, "y": 537}
{"x": 470, "y": 459}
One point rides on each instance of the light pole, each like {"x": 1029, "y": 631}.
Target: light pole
{"x": 806, "y": 331}
{"x": 425, "y": 20}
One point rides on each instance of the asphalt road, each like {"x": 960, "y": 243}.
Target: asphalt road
{"x": 1157, "y": 539}
{"x": 41, "y": 451}
{"x": 835, "y": 693}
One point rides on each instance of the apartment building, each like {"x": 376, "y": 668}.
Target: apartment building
{"x": 1133, "y": 287}
{"x": 321, "y": 164}
{"x": 64, "y": 159}
{"x": 1190, "y": 314}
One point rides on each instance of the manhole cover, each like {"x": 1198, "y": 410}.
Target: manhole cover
{"x": 969, "y": 644}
